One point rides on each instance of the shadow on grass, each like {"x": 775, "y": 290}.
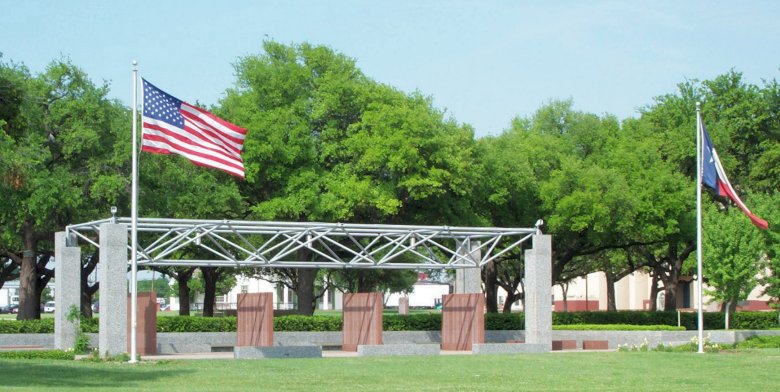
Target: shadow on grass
{"x": 76, "y": 374}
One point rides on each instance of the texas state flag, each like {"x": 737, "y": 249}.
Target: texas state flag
{"x": 714, "y": 177}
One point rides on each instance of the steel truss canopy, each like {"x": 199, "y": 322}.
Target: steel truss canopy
{"x": 231, "y": 243}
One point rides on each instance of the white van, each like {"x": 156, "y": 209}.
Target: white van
{"x": 49, "y": 307}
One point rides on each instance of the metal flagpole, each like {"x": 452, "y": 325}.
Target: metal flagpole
{"x": 134, "y": 224}
{"x": 699, "y": 276}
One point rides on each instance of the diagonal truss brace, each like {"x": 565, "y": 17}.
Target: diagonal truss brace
{"x": 191, "y": 242}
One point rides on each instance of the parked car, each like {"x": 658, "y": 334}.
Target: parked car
{"x": 14, "y": 308}
{"x": 5, "y": 309}
{"x": 96, "y": 307}
{"x": 49, "y": 307}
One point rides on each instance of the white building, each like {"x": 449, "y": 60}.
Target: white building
{"x": 583, "y": 294}
{"x": 9, "y": 294}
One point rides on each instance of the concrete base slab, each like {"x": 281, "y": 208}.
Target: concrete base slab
{"x": 509, "y": 348}
{"x": 248, "y": 352}
{"x": 366, "y": 350}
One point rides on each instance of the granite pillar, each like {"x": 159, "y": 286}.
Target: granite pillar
{"x": 469, "y": 280}
{"x": 255, "y": 320}
{"x": 403, "y": 306}
{"x": 67, "y": 289}
{"x": 538, "y": 292}
{"x": 146, "y": 320}
{"x": 362, "y": 320}
{"x": 112, "y": 274}
{"x": 462, "y": 321}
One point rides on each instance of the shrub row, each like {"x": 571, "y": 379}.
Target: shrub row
{"x": 426, "y": 322}
{"x": 739, "y": 320}
{"x": 307, "y": 323}
{"x": 27, "y": 326}
{"x": 616, "y": 327}
{"x": 760, "y": 342}
{"x": 196, "y": 324}
{"x": 38, "y": 354}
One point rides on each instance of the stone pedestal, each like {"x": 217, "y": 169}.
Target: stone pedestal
{"x": 538, "y": 292}
{"x": 403, "y": 306}
{"x": 362, "y": 320}
{"x": 462, "y": 321}
{"x": 277, "y": 352}
{"x": 146, "y": 321}
{"x": 112, "y": 274}
{"x": 67, "y": 289}
{"x": 255, "y": 320}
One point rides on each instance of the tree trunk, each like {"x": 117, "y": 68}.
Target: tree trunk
{"x": 87, "y": 291}
{"x": 510, "y": 299}
{"x": 565, "y": 292}
{"x": 210, "y": 277}
{"x": 490, "y": 278}
{"x": 670, "y": 291}
{"x": 86, "y": 304}
{"x": 305, "y": 292}
{"x": 182, "y": 277}
{"x": 29, "y": 295}
{"x": 611, "y": 301}
{"x": 728, "y": 308}
{"x": 654, "y": 293}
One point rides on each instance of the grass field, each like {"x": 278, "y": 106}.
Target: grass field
{"x": 747, "y": 370}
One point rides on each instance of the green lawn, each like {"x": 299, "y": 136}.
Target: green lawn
{"x": 751, "y": 370}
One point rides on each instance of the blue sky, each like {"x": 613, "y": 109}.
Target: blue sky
{"x": 483, "y": 61}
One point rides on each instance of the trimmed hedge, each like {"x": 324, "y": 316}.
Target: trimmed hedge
{"x": 89, "y": 325}
{"x": 760, "y": 342}
{"x": 307, "y": 323}
{"x": 38, "y": 354}
{"x": 412, "y": 322}
{"x": 739, "y": 320}
{"x": 27, "y": 326}
{"x": 616, "y": 327}
{"x": 196, "y": 324}
{"x": 425, "y": 322}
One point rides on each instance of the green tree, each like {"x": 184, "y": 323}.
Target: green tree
{"x": 159, "y": 285}
{"x": 326, "y": 143}
{"x": 60, "y": 163}
{"x": 733, "y": 256}
{"x": 768, "y": 206}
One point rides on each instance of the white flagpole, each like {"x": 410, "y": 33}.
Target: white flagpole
{"x": 699, "y": 276}
{"x": 134, "y": 227}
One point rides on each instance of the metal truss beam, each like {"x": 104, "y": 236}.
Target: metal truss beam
{"x": 191, "y": 242}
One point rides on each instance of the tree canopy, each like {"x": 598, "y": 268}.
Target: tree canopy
{"x": 328, "y": 143}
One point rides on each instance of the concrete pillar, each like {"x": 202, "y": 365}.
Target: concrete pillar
{"x": 325, "y": 304}
{"x": 538, "y": 299}
{"x": 67, "y": 289}
{"x": 469, "y": 280}
{"x": 403, "y": 306}
{"x": 286, "y": 298}
{"x": 112, "y": 273}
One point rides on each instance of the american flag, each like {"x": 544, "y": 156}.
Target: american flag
{"x": 172, "y": 126}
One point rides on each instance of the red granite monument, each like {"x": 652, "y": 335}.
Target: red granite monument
{"x": 146, "y": 319}
{"x": 255, "y": 324}
{"x": 362, "y": 320}
{"x": 462, "y": 321}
